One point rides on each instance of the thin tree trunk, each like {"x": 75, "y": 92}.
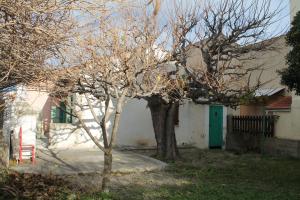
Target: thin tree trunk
{"x": 117, "y": 117}
{"x": 106, "y": 171}
{"x": 108, "y": 153}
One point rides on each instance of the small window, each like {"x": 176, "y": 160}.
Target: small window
{"x": 61, "y": 113}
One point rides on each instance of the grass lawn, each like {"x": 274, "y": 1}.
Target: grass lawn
{"x": 199, "y": 174}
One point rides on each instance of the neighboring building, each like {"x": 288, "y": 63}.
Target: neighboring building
{"x": 295, "y": 7}
{"x": 269, "y": 63}
{"x": 273, "y": 97}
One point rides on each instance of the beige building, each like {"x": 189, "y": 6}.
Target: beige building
{"x": 295, "y": 7}
{"x": 273, "y": 97}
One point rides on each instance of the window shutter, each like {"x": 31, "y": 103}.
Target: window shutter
{"x": 69, "y": 110}
{"x": 54, "y": 114}
{"x": 62, "y": 113}
{"x": 69, "y": 115}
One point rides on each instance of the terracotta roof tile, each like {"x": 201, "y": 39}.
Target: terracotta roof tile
{"x": 284, "y": 102}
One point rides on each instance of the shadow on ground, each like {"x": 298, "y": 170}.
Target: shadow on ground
{"x": 85, "y": 161}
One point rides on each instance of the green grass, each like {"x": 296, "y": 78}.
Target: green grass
{"x": 219, "y": 175}
{"x": 209, "y": 175}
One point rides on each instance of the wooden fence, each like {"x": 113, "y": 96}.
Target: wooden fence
{"x": 253, "y": 125}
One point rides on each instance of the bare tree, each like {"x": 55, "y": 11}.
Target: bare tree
{"x": 128, "y": 56}
{"x": 33, "y": 33}
{"x": 119, "y": 60}
{"x": 32, "y": 36}
{"x": 212, "y": 41}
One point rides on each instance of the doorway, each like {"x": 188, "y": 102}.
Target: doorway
{"x": 215, "y": 126}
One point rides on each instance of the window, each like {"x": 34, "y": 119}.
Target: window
{"x": 61, "y": 113}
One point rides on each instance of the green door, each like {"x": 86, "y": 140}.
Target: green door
{"x": 215, "y": 126}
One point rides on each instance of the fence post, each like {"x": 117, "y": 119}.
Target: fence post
{"x": 229, "y": 124}
{"x": 263, "y": 136}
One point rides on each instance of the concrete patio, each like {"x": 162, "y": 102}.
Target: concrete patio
{"x": 84, "y": 161}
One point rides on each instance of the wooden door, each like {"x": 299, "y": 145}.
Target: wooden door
{"x": 215, "y": 126}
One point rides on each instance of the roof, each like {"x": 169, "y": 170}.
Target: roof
{"x": 267, "y": 91}
{"x": 283, "y": 103}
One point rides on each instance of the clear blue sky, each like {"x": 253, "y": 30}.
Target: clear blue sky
{"x": 282, "y": 23}
{"x": 283, "y": 20}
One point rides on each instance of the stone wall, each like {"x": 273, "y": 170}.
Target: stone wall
{"x": 270, "y": 146}
{"x": 281, "y": 147}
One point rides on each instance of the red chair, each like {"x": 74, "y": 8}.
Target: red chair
{"x": 26, "y": 148}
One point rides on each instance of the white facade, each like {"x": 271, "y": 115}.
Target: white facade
{"x": 135, "y": 126}
{"x": 71, "y": 135}
{"x": 136, "y": 121}
{"x": 23, "y": 111}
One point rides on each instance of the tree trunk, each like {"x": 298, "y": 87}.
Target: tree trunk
{"x": 158, "y": 114}
{"x": 108, "y": 153}
{"x": 171, "y": 143}
{"x": 106, "y": 171}
{"x": 164, "y": 127}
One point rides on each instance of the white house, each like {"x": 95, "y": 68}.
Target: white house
{"x": 35, "y": 111}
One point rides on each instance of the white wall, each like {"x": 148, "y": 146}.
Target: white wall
{"x": 136, "y": 125}
{"x": 23, "y": 112}
{"x": 288, "y": 124}
{"x": 136, "y": 128}
{"x": 193, "y": 125}
{"x": 295, "y": 109}
{"x": 66, "y": 135}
